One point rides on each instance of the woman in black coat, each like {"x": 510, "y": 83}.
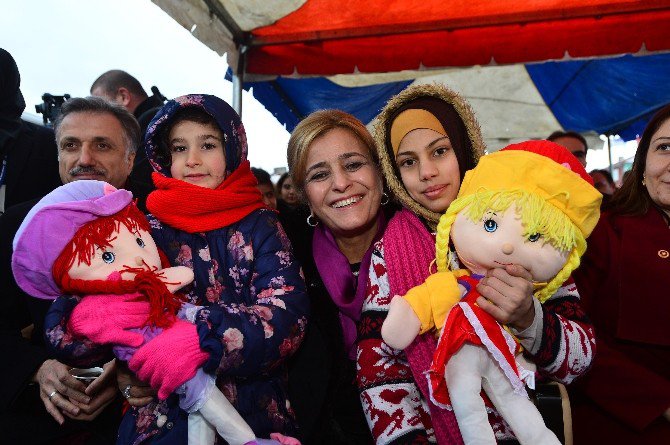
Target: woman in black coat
{"x": 333, "y": 166}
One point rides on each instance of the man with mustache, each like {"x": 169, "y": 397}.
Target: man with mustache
{"x": 96, "y": 140}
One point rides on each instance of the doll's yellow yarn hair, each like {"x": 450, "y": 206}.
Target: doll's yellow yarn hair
{"x": 537, "y": 216}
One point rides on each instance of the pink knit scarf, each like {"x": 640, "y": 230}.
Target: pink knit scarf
{"x": 409, "y": 250}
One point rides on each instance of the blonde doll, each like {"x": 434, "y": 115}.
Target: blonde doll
{"x": 531, "y": 204}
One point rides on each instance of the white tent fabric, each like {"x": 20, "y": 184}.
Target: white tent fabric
{"x": 504, "y": 98}
{"x": 195, "y": 16}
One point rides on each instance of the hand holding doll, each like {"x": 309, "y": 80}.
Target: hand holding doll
{"x": 531, "y": 205}
{"x": 507, "y": 294}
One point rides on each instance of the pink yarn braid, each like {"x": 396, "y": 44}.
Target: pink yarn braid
{"x": 408, "y": 251}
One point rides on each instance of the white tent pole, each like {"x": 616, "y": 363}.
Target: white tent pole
{"x": 609, "y": 152}
{"x": 237, "y": 94}
{"x": 238, "y": 80}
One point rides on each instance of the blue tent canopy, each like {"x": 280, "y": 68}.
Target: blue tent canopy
{"x": 289, "y": 100}
{"x": 609, "y": 96}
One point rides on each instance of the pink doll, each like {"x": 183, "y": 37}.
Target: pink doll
{"x": 530, "y": 204}
{"x": 87, "y": 238}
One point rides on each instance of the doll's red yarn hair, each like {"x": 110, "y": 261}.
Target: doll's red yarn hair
{"x": 97, "y": 234}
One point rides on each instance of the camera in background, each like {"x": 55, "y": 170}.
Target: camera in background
{"x": 50, "y": 107}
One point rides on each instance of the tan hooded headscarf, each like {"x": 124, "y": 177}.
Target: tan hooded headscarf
{"x": 439, "y": 107}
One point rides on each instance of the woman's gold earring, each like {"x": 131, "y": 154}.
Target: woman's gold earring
{"x": 644, "y": 180}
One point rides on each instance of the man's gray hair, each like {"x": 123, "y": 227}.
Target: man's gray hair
{"x": 131, "y": 129}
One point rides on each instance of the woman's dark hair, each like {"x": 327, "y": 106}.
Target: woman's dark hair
{"x": 190, "y": 114}
{"x": 568, "y": 134}
{"x": 262, "y": 177}
{"x": 633, "y": 198}
{"x": 606, "y": 174}
{"x": 281, "y": 181}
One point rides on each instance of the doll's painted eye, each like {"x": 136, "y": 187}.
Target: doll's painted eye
{"x": 534, "y": 237}
{"x": 490, "y": 225}
{"x": 140, "y": 241}
{"x": 108, "y": 257}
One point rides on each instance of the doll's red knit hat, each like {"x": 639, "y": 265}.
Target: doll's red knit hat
{"x": 556, "y": 152}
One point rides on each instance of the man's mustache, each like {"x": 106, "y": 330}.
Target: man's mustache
{"x": 82, "y": 170}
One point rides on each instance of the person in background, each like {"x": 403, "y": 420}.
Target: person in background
{"x": 427, "y": 138}
{"x": 266, "y": 187}
{"x": 624, "y": 282}
{"x": 293, "y": 215}
{"x": 96, "y": 140}
{"x": 603, "y": 182}
{"x": 288, "y": 196}
{"x": 28, "y": 163}
{"x": 573, "y": 141}
{"x": 332, "y": 160}
{"x": 120, "y": 87}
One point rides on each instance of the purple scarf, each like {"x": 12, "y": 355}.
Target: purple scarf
{"x": 408, "y": 251}
{"x": 346, "y": 290}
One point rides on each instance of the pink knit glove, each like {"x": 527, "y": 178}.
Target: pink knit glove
{"x": 105, "y": 319}
{"x": 275, "y": 439}
{"x": 170, "y": 359}
{"x": 284, "y": 440}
